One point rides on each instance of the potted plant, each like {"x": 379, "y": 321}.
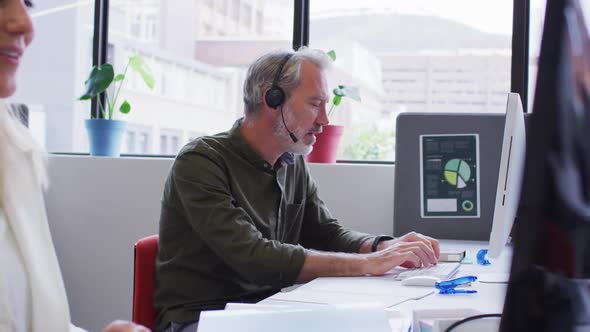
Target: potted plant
{"x": 105, "y": 134}
{"x": 325, "y": 148}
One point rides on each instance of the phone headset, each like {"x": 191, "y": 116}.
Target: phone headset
{"x": 275, "y": 96}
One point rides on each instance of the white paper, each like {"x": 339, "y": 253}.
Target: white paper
{"x": 383, "y": 291}
{"x": 254, "y": 306}
{"x": 343, "y": 319}
{"x": 374, "y": 286}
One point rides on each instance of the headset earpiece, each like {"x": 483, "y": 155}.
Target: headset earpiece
{"x": 275, "y": 96}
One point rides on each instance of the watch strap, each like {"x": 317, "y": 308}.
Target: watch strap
{"x": 378, "y": 239}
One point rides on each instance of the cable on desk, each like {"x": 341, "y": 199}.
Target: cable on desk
{"x": 465, "y": 320}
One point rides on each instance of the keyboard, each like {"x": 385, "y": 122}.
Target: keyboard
{"x": 441, "y": 271}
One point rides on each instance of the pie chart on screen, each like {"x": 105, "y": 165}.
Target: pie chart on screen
{"x": 457, "y": 173}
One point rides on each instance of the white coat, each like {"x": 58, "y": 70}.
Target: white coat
{"x": 24, "y": 210}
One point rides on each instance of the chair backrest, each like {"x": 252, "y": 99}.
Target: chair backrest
{"x": 144, "y": 281}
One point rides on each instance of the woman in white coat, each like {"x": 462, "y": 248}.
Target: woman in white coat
{"x": 32, "y": 293}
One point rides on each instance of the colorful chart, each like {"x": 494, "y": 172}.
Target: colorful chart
{"x": 457, "y": 173}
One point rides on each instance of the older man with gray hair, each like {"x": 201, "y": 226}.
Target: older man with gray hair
{"x": 241, "y": 216}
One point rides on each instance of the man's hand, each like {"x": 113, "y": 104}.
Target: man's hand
{"x": 417, "y": 249}
{"x": 125, "y": 326}
{"x": 410, "y": 250}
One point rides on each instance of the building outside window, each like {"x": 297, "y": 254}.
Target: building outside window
{"x": 169, "y": 141}
{"x": 137, "y": 140}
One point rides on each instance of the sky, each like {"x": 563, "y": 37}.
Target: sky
{"x": 493, "y": 16}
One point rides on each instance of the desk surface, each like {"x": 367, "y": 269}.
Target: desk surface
{"x": 489, "y": 299}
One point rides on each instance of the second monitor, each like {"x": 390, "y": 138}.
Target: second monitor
{"x": 447, "y": 171}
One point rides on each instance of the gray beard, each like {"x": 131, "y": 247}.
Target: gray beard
{"x": 280, "y": 133}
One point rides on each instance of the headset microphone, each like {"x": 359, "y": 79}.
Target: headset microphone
{"x": 293, "y": 137}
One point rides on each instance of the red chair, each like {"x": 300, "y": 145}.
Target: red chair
{"x": 144, "y": 281}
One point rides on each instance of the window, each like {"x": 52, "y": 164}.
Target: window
{"x": 169, "y": 141}
{"x": 52, "y": 74}
{"x": 413, "y": 56}
{"x": 235, "y": 10}
{"x": 163, "y": 144}
{"x": 223, "y": 7}
{"x": 131, "y": 141}
{"x": 137, "y": 140}
{"x": 259, "y": 22}
{"x": 537, "y": 20}
{"x": 208, "y": 3}
{"x": 426, "y": 55}
{"x": 143, "y": 144}
{"x": 197, "y": 62}
{"x": 194, "y": 48}
{"x": 142, "y": 23}
{"x": 246, "y": 13}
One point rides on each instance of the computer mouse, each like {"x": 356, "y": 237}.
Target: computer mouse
{"x": 426, "y": 281}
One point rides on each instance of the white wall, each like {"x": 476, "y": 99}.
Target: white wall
{"x": 99, "y": 207}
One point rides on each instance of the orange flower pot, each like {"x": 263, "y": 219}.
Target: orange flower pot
{"x": 325, "y": 148}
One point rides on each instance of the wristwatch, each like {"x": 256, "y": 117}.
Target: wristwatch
{"x": 379, "y": 239}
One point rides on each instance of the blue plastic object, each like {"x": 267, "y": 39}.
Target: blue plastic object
{"x": 481, "y": 257}
{"x": 449, "y": 286}
{"x": 457, "y": 291}
{"x": 105, "y": 136}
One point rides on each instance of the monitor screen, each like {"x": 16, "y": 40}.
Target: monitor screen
{"x": 548, "y": 288}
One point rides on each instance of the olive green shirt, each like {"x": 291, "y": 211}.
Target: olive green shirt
{"x": 233, "y": 228}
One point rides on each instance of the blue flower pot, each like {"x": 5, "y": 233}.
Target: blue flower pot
{"x": 105, "y": 136}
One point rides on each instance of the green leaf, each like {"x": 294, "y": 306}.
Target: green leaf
{"x": 125, "y": 107}
{"x": 341, "y": 86}
{"x": 119, "y": 77}
{"x": 136, "y": 63}
{"x": 339, "y": 92}
{"x": 337, "y": 99}
{"x": 352, "y": 92}
{"x": 332, "y": 54}
{"x": 99, "y": 80}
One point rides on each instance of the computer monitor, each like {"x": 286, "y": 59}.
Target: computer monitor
{"x": 509, "y": 175}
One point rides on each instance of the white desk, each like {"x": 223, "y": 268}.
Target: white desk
{"x": 489, "y": 299}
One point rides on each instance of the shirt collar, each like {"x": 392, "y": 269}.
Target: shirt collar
{"x": 287, "y": 158}
{"x": 244, "y": 149}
